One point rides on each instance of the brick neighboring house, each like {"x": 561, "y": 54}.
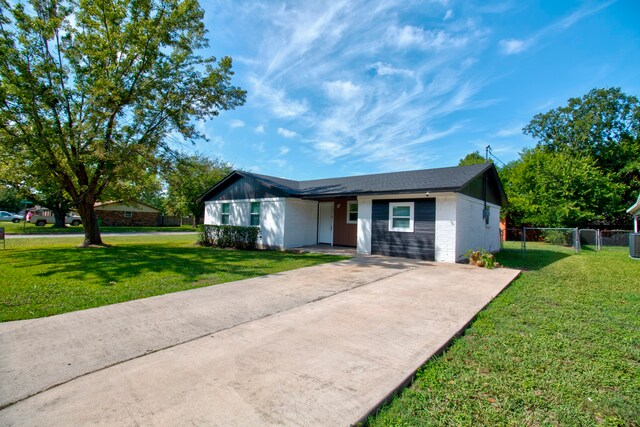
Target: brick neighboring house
{"x": 118, "y": 213}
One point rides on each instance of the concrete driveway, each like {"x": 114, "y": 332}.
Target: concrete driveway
{"x": 322, "y": 345}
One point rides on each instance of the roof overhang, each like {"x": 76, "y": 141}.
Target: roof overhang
{"x": 635, "y": 209}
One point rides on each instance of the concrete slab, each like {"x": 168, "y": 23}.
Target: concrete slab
{"x": 38, "y": 354}
{"x": 327, "y": 361}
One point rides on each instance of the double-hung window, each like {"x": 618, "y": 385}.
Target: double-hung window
{"x": 255, "y": 214}
{"x": 224, "y": 217}
{"x": 401, "y": 216}
{"x": 352, "y": 212}
{"x": 127, "y": 214}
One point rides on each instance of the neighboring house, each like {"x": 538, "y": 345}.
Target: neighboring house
{"x": 433, "y": 214}
{"x": 119, "y": 213}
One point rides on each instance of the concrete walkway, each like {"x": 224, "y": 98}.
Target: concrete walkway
{"x": 322, "y": 345}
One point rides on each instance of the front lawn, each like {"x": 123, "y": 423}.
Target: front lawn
{"x": 28, "y": 228}
{"x": 560, "y": 346}
{"x": 46, "y": 276}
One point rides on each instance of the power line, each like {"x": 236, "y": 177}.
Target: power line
{"x": 489, "y": 152}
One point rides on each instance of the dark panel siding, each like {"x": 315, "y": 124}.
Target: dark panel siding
{"x": 474, "y": 189}
{"x": 420, "y": 244}
{"x": 247, "y": 188}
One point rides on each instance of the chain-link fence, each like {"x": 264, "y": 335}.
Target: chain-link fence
{"x": 574, "y": 238}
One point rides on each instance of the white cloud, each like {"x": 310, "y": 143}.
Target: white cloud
{"x": 287, "y": 133}
{"x": 342, "y": 90}
{"x": 415, "y": 37}
{"x": 383, "y": 69}
{"x": 283, "y": 150}
{"x": 277, "y": 100}
{"x": 448, "y": 15}
{"x": 508, "y": 132}
{"x": 259, "y": 129}
{"x": 236, "y": 124}
{"x": 513, "y": 46}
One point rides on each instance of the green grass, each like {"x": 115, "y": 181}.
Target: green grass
{"x": 46, "y": 276}
{"x": 560, "y": 346}
{"x": 28, "y": 228}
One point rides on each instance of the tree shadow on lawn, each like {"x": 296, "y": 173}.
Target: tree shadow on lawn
{"x": 533, "y": 259}
{"x": 116, "y": 263}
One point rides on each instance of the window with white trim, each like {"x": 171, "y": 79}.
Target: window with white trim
{"x": 401, "y": 216}
{"x": 127, "y": 214}
{"x": 352, "y": 212}
{"x": 224, "y": 214}
{"x": 255, "y": 214}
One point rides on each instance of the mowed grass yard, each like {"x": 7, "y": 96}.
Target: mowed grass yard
{"x": 29, "y": 228}
{"x": 45, "y": 276}
{"x": 560, "y": 346}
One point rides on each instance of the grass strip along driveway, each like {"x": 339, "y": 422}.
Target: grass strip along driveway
{"x": 42, "y": 277}
{"x": 560, "y": 346}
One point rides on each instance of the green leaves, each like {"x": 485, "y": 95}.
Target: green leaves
{"x": 89, "y": 90}
{"x": 586, "y": 166}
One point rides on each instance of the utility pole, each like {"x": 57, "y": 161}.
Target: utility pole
{"x": 486, "y": 153}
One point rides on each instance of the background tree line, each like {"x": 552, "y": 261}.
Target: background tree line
{"x": 585, "y": 167}
{"x": 173, "y": 186}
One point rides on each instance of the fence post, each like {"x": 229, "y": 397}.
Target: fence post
{"x": 524, "y": 240}
{"x": 576, "y": 235}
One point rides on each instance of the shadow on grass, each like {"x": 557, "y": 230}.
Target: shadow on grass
{"x": 533, "y": 259}
{"x": 129, "y": 261}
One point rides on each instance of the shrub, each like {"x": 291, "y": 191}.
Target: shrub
{"x": 558, "y": 237}
{"x": 482, "y": 258}
{"x": 228, "y": 236}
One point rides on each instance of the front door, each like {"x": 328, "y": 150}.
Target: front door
{"x": 325, "y": 223}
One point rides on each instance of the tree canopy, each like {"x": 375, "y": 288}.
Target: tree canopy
{"x": 89, "y": 90}
{"x": 603, "y": 126}
{"x": 555, "y": 189}
{"x": 188, "y": 177}
{"x": 474, "y": 158}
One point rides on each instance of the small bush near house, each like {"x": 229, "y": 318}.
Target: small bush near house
{"x": 228, "y": 236}
{"x": 482, "y": 258}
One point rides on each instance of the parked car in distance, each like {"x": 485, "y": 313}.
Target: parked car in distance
{"x": 39, "y": 218}
{"x": 8, "y": 216}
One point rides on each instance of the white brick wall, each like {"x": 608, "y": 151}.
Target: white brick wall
{"x": 446, "y": 232}
{"x": 300, "y": 223}
{"x": 471, "y": 230}
{"x": 364, "y": 225}
{"x": 272, "y": 215}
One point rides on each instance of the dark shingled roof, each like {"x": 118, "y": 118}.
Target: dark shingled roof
{"x": 435, "y": 180}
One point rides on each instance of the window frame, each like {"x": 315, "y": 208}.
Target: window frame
{"x": 253, "y": 215}
{"x": 223, "y": 214}
{"x": 127, "y": 214}
{"x": 349, "y": 204}
{"x": 411, "y": 206}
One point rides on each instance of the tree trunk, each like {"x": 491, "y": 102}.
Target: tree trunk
{"x": 59, "y": 215}
{"x": 196, "y": 220}
{"x": 89, "y": 223}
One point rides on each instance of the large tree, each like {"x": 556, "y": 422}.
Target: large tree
{"x": 89, "y": 89}
{"x": 603, "y": 125}
{"x": 474, "y": 158}
{"x": 187, "y": 178}
{"x": 556, "y": 189}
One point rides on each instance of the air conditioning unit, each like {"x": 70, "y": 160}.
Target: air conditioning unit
{"x": 634, "y": 245}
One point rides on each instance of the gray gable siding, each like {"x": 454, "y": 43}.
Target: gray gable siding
{"x": 247, "y": 187}
{"x": 475, "y": 189}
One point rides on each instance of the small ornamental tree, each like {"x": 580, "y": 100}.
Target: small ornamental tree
{"x": 89, "y": 89}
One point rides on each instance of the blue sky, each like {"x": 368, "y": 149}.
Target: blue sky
{"x": 338, "y": 88}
